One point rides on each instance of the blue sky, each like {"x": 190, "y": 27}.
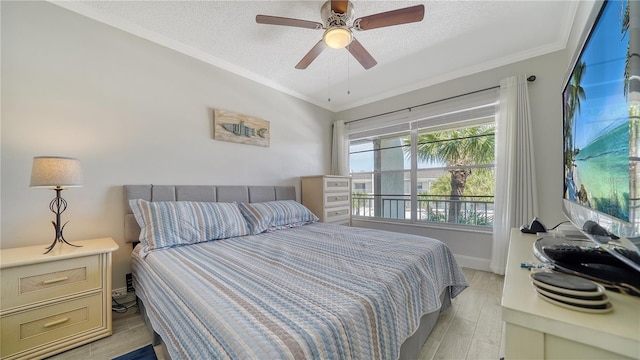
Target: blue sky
{"x": 363, "y": 161}
{"x": 605, "y": 106}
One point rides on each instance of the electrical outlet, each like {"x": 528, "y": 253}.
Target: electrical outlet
{"x": 129, "y": 280}
{"x": 119, "y": 293}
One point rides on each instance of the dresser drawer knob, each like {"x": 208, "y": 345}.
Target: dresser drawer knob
{"x": 57, "y": 322}
{"x": 53, "y": 281}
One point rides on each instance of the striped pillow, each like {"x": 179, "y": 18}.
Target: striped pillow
{"x": 274, "y": 215}
{"x": 172, "y": 223}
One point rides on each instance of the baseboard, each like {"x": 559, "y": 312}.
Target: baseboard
{"x": 473, "y": 262}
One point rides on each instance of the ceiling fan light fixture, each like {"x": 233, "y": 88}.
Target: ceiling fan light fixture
{"x": 337, "y": 37}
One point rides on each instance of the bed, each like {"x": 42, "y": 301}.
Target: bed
{"x": 275, "y": 283}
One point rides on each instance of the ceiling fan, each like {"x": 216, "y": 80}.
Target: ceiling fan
{"x": 338, "y": 28}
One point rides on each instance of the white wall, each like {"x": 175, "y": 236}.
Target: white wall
{"x": 586, "y": 14}
{"x": 133, "y": 112}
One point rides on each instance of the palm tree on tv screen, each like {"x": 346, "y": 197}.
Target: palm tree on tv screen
{"x": 632, "y": 63}
{"x": 631, "y": 24}
{"x": 576, "y": 94}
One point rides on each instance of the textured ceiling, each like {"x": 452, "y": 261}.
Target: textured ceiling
{"x": 456, "y": 38}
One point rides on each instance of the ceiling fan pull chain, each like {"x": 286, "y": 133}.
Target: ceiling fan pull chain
{"x": 348, "y": 74}
{"x": 328, "y": 81}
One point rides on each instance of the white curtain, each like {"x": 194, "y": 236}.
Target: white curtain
{"x": 516, "y": 200}
{"x": 339, "y": 149}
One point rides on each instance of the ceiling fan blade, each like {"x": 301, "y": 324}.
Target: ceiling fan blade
{"x": 311, "y": 55}
{"x": 277, "y": 20}
{"x": 339, "y": 6}
{"x": 390, "y": 18}
{"x": 361, "y": 54}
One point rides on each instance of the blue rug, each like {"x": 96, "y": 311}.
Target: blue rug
{"x": 144, "y": 353}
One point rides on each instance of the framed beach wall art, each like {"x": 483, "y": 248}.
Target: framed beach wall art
{"x": 239, "y": 128}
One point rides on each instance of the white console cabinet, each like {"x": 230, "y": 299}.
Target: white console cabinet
{"x": 536, "y": 329}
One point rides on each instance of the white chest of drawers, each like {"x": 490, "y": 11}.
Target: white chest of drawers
{"x": 54, "y": 302}
{"x": 329, "y": 197}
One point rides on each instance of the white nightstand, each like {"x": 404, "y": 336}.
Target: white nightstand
{"x": 54, "y": 302}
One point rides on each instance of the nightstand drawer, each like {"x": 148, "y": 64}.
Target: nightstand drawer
{"x": 28, "y": 329}
{"x": 340, "y": 214}
{"x": 336, "y": 199}
{"x": 336, "y": 184}
{"x": 23, "y": 285}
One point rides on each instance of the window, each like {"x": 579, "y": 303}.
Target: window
{"x": 458, "y": 166}
{"x": 381, "y": 167}
{"x": 452, "y": 176}
{"x": 432, "y": 163}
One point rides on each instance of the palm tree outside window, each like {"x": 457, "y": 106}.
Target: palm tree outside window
{"x": 451, "y": 181}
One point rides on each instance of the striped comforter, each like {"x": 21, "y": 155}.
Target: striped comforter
{"x": 315, "y": 292}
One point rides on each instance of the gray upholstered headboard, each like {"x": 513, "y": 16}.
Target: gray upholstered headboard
{"x": 197, "y": 193}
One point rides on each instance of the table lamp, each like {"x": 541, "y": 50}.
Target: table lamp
{"x": 56, "y": 173}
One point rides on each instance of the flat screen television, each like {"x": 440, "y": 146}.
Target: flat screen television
{"x": 601, "y": 107}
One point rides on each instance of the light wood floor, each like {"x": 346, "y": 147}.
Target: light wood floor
{"x": 471, "y": 329}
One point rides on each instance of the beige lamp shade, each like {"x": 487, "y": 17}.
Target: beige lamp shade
{"x": 56, "y": 171}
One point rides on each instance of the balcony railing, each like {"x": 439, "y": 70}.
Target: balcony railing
{"x": 468, "y": 210}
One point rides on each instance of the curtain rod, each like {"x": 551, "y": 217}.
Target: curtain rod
{"x": 531, "y": 78}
